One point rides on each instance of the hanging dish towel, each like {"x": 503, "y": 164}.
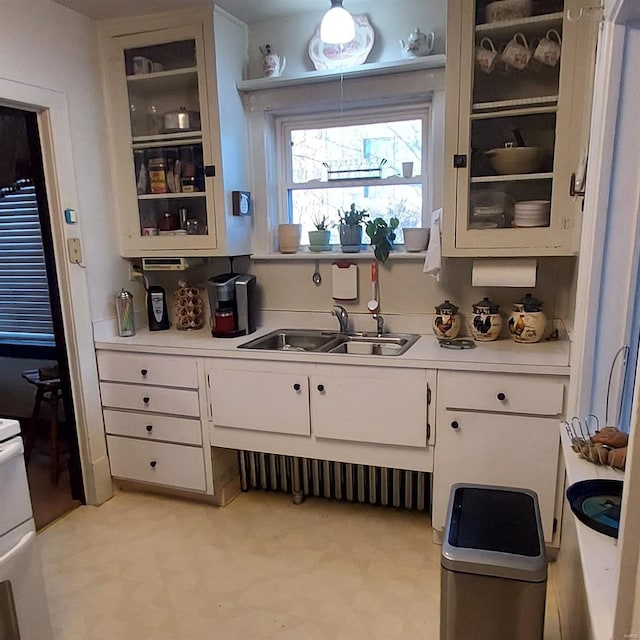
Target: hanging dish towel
{"x": 433, "y": 260}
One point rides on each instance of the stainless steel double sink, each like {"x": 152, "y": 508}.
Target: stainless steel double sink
{"x": 318, "y": 341}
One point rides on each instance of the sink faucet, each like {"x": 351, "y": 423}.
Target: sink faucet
{"x": 379, "y": 323}
{"x": 343, "y": 317}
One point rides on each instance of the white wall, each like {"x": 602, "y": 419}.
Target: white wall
{"x": 391, "y": 20}
{"x": 46, "y": 45}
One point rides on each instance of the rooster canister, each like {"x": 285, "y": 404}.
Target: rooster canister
{"x": 486, "y": 321}
{"x": 446, "y": 324}
{"x": 527, "y": 322}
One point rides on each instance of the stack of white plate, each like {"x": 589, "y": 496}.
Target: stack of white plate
{"x": 531, "y": 213}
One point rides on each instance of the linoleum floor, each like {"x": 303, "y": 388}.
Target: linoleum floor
{"x": 148, "y": 567}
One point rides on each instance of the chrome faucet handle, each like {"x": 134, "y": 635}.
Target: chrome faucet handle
{"x": 379, "y": 323}
{"x": 343, "y": 317}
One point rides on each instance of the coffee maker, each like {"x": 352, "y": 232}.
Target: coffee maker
{"x": 232, "y": 298}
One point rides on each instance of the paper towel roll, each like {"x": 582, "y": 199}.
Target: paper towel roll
{"x": 504, "y": 272}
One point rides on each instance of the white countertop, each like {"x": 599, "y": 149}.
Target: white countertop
{"x": 550, "y": 357}
{"x": 599, "y": 553}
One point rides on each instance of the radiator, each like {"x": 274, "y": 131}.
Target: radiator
{"x": 338, "y": 480}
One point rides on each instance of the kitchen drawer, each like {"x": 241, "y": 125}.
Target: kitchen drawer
{"x": 502, "y": 393}
{"x": 157, "y": 462}
{"x": 179, "y": 402}
{"x": 149, "y": 426}
{"x": 166, "y": 371}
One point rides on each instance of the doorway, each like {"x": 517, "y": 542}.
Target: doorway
{"x": 32, "y": 336}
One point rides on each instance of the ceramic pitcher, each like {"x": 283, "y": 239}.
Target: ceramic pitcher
{"x": 273, "y": 64}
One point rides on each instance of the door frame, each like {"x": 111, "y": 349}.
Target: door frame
{"x": 57, "y": 155}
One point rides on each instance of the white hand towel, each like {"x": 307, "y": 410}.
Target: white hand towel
{"x": 433, "y": 260}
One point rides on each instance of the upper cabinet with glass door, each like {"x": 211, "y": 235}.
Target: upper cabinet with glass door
{"x": 167, "y": 152}
{"x": 519, "y": 73}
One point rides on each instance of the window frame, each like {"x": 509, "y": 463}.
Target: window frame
{"x": 285, "y": 123}
{"x": 373, "y": 88}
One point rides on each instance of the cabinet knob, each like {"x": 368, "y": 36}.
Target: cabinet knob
{"x": 153, "y": 464}
{"x": 146, "y": 399}
{"x": 501, "y": 396}
{"x": 296, "y": 386}
{"x": 149, "y": 428}
{"x": 454, "y": 424}
{"x": 320, "y": 388}
{"x": 143, "y": 372}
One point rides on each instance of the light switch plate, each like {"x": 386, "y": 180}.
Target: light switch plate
{"x": 75, "y": 250}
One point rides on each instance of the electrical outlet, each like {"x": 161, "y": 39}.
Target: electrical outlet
{"x": 135, "y": 271}
{"x": 75, "y": 250}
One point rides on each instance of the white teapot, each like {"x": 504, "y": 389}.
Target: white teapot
{"x": 418, "y": 44}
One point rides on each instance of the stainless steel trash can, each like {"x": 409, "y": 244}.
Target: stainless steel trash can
{"x": 493, "y": 565}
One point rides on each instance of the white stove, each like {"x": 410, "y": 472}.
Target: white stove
{"x": 24, "y": 614}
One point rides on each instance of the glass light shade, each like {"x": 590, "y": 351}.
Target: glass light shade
{"x": 337, "y": 26}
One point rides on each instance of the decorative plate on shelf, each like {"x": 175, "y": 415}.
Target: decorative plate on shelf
{"x": 327, "y": 56}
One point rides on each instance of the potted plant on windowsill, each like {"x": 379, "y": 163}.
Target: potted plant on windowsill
{"x": 382, "y": 235}
{"x": 350, "y": 228}
{"x": 319, "y": 239}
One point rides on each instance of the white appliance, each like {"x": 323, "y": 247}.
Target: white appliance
{"x": 24, "y": 614}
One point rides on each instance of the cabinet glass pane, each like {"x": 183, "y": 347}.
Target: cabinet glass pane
{"x": 164, "y": 109}
{"x": 170, "y": 184}
{"x": 511, "y": 185}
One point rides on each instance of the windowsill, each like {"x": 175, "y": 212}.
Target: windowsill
{"x": 599, "y": 553}
{"x": 304, "y": 255}
{"x": 364, "y": 70}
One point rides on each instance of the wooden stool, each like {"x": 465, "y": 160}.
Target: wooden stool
{"x": 48, "y": 391}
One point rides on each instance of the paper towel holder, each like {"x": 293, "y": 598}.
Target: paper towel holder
{"x": 504, "y": 272}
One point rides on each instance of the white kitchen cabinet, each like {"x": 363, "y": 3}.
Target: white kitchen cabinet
{"x": 501, "y": 430}
{"x": 541, "y": 106}
{"x": 152, "y": 415}
{"x": 367, "y": 404}
{"x": 361, "y": 404}
{"x": 260, "y": 396}
{"x": 178, "y": 140}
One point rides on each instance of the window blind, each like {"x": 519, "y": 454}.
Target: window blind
{"x": 25, "y": 310}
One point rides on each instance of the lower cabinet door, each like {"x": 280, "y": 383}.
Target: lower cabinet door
{"x": 171, "y": 465}
{"x": 260, "y": 400}
{"x": 496, "y": 449}
{"x": 363, "y": 404}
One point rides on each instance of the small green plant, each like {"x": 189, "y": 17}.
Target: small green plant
{"x": 321, "y": 222}
{"x": 352, "y": 216}
{"x": 382, "y": 236}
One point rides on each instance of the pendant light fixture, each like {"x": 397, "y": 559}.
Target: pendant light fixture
{"x": 337, "y": 26}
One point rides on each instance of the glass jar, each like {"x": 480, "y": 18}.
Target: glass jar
{"x": 158, "y": 175}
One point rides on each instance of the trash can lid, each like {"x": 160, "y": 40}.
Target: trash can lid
{"x": 494, "y": 531}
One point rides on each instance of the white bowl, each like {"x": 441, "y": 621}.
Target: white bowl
{"x": 508, "y": 10}
{"x": 512, "y": 160}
